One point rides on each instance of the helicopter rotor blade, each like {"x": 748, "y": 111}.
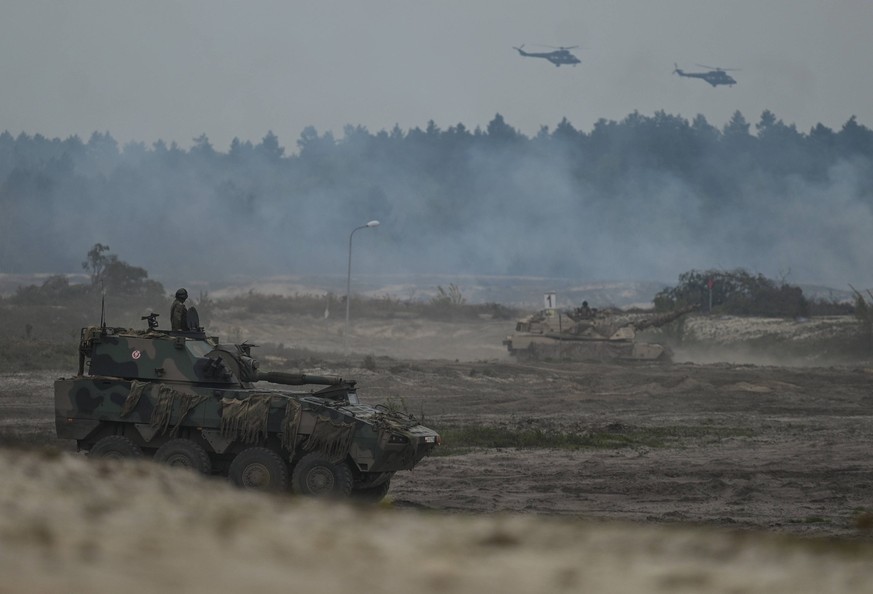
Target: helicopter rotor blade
{"x": 561, "y": 47}
{"x": 718, "y": 68}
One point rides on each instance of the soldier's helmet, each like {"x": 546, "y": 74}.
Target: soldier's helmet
{"x": 181, "y": 294}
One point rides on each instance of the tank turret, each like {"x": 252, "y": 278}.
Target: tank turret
{"x": 186, "y": 399}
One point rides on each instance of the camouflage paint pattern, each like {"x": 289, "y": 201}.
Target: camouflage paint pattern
{"x": 153, "y": 386}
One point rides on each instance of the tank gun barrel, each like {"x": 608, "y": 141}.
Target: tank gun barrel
{"x": 663, "y": 319}
{"x": 297, "y": 379}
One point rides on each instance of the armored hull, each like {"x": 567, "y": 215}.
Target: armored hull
{"x": 184, "y": 399}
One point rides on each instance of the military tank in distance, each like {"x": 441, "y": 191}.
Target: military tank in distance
{"x": 185, "y": 399}
{"x": 585, "y": 334}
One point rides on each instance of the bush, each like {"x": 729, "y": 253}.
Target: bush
{"x": 734, "y": 292}
{"x": 54, "y": 289}
{"x": 450, "y": 298}
{"x": 116, "y": 276}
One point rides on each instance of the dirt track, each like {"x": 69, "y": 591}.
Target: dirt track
{"x": 776, "y": 448}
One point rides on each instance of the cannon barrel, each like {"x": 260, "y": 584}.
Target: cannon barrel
{"x": 663, "y": 319}
{"x": 297, "y": 379}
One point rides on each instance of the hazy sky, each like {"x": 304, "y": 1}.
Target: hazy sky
{"x": 174, "y": 69}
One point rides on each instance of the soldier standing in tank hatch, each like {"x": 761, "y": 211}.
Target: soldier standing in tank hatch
{"x": 179, "y": 313}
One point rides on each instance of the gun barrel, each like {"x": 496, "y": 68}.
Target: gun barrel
{"x": 664, "y": 319}
{"x": 297, "y": 379}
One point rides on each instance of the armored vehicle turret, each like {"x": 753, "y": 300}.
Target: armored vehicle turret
{"x": 185, "y": 399}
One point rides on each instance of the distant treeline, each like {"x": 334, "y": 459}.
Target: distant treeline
{"x": 450, "y": 198}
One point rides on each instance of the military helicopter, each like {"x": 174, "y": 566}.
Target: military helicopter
{"x": 561, "y": 55}
{"x": 716, "y": 76}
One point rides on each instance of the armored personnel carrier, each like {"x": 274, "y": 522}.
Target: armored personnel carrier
{"x": 584, "y": 334}
{"x": 184, "y": 399}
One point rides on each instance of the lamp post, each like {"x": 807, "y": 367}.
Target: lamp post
{"x": 349, "y": 278}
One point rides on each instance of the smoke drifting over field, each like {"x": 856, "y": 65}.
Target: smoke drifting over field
{"x": 519, "y": 207}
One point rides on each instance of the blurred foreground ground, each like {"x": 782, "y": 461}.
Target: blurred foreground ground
{"x": 73, "y": 526}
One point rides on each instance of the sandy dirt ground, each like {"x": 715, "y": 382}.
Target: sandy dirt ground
{"x": 718, "y": 477}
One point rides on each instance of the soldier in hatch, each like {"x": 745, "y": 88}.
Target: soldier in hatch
{"x": 179, "y": 313}
{"x": 584, "y": 312}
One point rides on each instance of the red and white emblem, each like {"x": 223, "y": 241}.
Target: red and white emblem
{"x": 136, "y": 355}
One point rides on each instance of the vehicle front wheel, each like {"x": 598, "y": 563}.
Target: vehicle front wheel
{"x": 115, "y": 447}
{"x": 316, "y": 476}
{"x": 372, "y": 494}
{"x": 259, "y": 469}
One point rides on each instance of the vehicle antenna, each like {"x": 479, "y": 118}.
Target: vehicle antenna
{"x": 102, "y": 307}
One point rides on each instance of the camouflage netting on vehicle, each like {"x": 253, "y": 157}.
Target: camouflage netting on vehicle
{"x": 245, "y": 419}
{"x": 388, "y": 421}
{"x": 171, "y": 400}
{"x": 331, "y": 438}
{"x": 136, "y": 391}
{"x": 291, "y": 424}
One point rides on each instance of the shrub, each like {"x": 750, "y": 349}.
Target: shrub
{"x": 734, "y": 292}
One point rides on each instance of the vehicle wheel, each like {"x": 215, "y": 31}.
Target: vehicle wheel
{"x": 531, "y": 353}
{"x": 184, "y": 453}
{"x": 372, "y": 494}
{"x": 259, "y": 469}
{"x": 666, "y": 356}
{"x": 115, "y": 447}
{"x": 315, "y": 475}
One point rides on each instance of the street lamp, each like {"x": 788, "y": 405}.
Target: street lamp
{"x": 349, "y": 277}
